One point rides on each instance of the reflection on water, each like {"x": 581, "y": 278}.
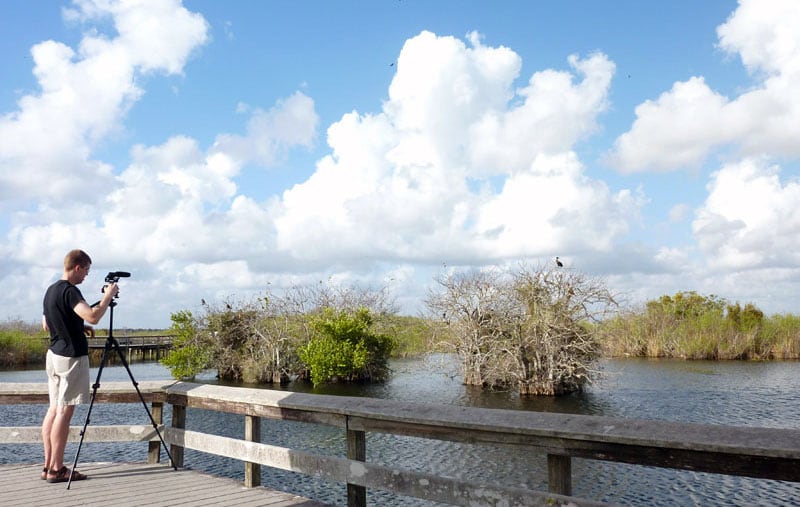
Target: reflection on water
{"x": 732, "y": 393}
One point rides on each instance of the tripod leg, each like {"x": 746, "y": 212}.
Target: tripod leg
{"x": 144, "y": 403}
{"x": 95, "y": 386}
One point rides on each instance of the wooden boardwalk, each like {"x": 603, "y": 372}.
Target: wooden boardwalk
{"x": 136, "y": 484}
{"x": 754, "y": 452}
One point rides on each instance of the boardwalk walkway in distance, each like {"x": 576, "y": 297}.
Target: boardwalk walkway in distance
{"x": 118, "y": 484}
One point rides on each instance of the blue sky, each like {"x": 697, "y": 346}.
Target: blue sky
{"x": 215, "y": 148}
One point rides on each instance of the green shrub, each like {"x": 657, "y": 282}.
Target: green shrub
{"x": 189, "y": 355}
{"x": 343, "y": 347}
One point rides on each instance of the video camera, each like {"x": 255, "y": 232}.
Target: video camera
{"x": 113, "y": 277}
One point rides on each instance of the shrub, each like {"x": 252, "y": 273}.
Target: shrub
{"x": 343, "y": 347}
{"x": 189, "y": 355}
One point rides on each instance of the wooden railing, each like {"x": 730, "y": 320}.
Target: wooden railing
{"x": 134, "y": 341}
{"x": 767, "y": 453}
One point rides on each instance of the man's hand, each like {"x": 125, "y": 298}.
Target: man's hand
{"x": 92, "y": 315}
{"x": 110, "y": 290}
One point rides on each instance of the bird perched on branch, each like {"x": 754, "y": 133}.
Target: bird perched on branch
{"x": 559, "y": 263}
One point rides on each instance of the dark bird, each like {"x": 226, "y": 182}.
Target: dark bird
{"x": 559, "y": 263}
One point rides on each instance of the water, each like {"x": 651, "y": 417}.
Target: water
{"x": 731, "y": 393}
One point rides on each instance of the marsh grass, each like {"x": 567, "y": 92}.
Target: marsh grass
{"x": 22, "y": 343}
{"x": 705, "y": 336}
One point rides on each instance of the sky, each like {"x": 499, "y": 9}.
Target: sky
{"x": 217, "y": 150}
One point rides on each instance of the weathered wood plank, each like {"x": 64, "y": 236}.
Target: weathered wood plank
{"x": 108, "y": 392}
{"x": 122, "y": 484}
{"x": 154, "y": 448}
{"x": 179, "y": 422}
{"x": 33, "y": 434}
{"x": 356, "y": 450}
{"x": 252, "y": 433}
{"x": 265, "y": 410}
{"x": 402, "y": 482}
{"x": 753, "y": 452}
{"x": 559, "y": 474}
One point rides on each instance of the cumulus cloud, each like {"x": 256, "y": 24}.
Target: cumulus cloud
{"x": 553, "y": 206}
{"x": 750, "y": 219}
{"x": 46, "y": 145}
{"x": 292, "y": 122}
{"x": 682, "y": 127}
{"x": 459, "y": 164}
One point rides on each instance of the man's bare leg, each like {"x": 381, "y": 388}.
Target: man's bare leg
{"x": 58, "y": 436}
{"x": 47, "y": 428}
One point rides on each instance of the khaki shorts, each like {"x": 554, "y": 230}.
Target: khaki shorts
{"x": 67, "y": 379}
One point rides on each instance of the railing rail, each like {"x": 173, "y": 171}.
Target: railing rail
{"x": 133, "y": 341}
{"x": 768, "y": 453}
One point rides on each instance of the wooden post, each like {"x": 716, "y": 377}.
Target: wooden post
{"x": 154, "y": 447}
{"x": 178, "y": 421}
{"x": 559, "y": 474}
{"x": 357, "y": 450}
{"x": 252, "y": 433}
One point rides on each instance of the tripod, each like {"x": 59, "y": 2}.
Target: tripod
{"x": 111, "y": 342}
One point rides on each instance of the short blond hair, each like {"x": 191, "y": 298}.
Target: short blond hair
{"x": 76, "y": 258}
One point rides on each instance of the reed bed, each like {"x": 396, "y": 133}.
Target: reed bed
{"x": 22, "y": 344}
{"x": 706, "y": 336}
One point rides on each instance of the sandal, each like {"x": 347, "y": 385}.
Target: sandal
{"x": 44, "y": 473}
{"x": 63, "y": 474}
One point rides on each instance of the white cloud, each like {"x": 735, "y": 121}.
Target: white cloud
{"x": 764, "y": 34}
{"x": 153, "y": 35}
{"x": 553, "y": 207}
{"x": 681, "y": 128}
{"x": 750, "y": 218}
{"x": 416, "y": 181}
{"x": 291, "y": 122}
{"x": 679, "y": 212}
{"x": 46, "y": 145}
{"x": 674, "y": 132}
{"x": 554, "y": 115}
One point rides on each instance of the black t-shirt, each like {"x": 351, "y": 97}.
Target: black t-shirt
{"x": 66, "y": 326}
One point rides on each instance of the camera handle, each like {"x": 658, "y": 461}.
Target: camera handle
{"x": 111, "y": 342}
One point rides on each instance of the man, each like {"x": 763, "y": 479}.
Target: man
{"x": 67, "y": 363}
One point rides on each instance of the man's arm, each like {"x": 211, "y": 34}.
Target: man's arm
{"x": 92, "y": 315}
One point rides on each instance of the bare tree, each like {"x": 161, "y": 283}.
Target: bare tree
{"x": 472, "y": 306}
{"x": 529, "y": 328}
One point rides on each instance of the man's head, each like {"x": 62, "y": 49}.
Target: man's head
{"x": 76, "y": 266}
